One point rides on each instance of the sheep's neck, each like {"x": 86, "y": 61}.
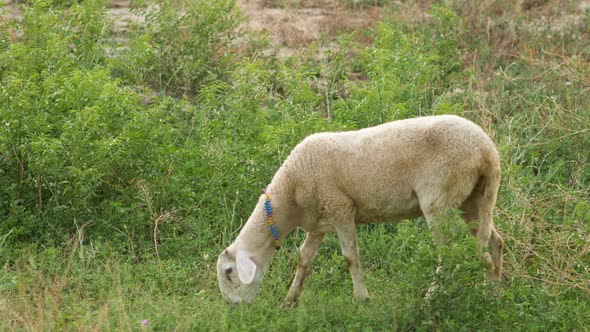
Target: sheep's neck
{"x": 256, "y": 237}
{"x": 268, "y": 216}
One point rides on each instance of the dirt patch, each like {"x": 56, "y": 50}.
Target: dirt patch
{"x": 118, "y": 10}
{"x": 292, "y": 25}
{"x": 11, "y": 10}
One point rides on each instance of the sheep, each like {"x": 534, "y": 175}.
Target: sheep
{"x": 332, "y": 181}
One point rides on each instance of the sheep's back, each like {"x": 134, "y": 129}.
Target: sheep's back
{"x": 384, "y": 169}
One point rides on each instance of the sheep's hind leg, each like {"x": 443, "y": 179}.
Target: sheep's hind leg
{"x": 478, "y": 207}
{"x": 495, "y": 245}
{"x": 307, "y": 253}
{"x": 346, "y": 231}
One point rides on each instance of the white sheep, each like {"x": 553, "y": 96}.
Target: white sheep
{"x": 395, "y": 171}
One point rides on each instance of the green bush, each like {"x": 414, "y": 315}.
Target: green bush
{"x": 74, "y": 138}
{"x": 407, "y": 71}
{"x": 180, "y": 45}
{"x": 82, "y": 149}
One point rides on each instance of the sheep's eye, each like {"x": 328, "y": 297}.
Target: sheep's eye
{"x": 228, "y": 271}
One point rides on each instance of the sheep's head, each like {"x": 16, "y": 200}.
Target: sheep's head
{"x": 238, "y": 275}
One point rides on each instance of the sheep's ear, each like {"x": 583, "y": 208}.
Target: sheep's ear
{"x": 246, "y": 267}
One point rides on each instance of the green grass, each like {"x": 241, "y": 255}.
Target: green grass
{"x": 93, "y": 287}
{"x": 128, "y": 164}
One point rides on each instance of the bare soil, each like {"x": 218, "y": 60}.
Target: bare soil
{"x": 289, "y": 24}
{"x": 292, "y": 27}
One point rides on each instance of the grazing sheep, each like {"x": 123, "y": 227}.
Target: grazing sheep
{"x": 333, "y": 181}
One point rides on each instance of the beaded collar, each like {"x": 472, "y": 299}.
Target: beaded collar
{"x": 271, "y": 225}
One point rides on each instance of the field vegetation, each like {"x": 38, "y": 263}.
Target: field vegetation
{"x": 129, "y": 158}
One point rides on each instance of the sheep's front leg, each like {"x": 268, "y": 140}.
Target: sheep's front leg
{"x": 439, "y": 241}
{"x": 348, "y": 242}
{"x": 307, "y": 253}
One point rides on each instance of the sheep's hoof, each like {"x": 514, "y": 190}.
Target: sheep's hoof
{"x": 363, "y": 298}
{"x": 431, "y": 291}
{"x": 289, "y": 303}
{"x": 492, "y": 276}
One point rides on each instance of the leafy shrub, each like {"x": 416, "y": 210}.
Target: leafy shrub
{"x": 73, "y": 138}
{"x": 179, "y": 45}
{"x": 406, "y": 71}
{"x": 82, "y": 149}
